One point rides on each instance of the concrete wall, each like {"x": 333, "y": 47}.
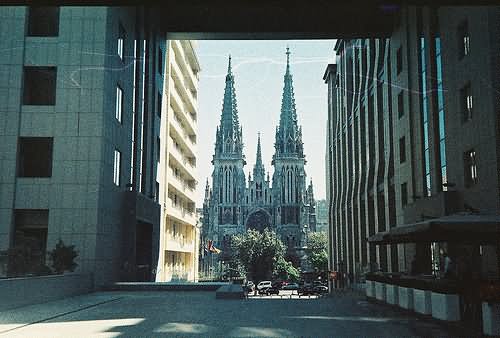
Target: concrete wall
{"x": 16, "y": 292}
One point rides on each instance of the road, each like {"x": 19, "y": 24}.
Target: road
{"x": 199, "y": 314}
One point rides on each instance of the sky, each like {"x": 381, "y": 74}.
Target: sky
{"x": 258, "y": 68}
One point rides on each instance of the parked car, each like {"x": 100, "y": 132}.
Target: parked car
{"x": 306, "y": 290}
{"x": 264, "y": 284}
{"x": 291, "y": 286}
{"x": 320, "y": 289}
{"x": 273, "y": 290}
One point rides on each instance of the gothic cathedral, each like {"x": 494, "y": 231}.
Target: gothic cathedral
{"x": 234, "y": 204}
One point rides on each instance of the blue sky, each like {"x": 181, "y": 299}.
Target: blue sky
{"x": 258, "y": 67}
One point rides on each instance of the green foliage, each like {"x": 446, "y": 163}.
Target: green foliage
{"x": 63, "y": 257}
{"x": 258, "y": 253}
{"x": 317, "y": 244}
{"x": 286, "y": 271}
{"x": 25, "y": 259}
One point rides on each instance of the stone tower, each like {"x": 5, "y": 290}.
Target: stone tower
{"x": 228, "y": 178}
{"x": 289, "y": 188}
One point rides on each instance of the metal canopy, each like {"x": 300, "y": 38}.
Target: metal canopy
{"x": 464, "y": 228}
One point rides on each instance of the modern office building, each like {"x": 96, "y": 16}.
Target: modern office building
{"x": 80, "y": 118}
{"x": 413, "y": 134}
{"x": 179, "y": 237}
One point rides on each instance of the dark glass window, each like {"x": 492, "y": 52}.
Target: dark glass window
{"x": 466, "y": 102}
{"x": 470, "y": 168}
{"x": 35, "y": 157}
{"x": 160, "y": 61}
{"x": 43, "y": 21}
{"x": 402, "y": 150}
{"x": 39, "y": 86}
{"x": 401, "y": 108}
{"x": 399, "y": 60}
{"x": 159, "y": 104}
{"x": 158, "y": 148}
{"x": 463, "y": 40}
{"x": 404, "y": 194}
{"x": 31, "y": 227}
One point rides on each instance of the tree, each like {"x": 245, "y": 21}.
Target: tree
{"x": 285, "y": 270}
{"x": 63, "y": 257}
{"x": 259, "y": 253}
{"x": 317, "y": 255}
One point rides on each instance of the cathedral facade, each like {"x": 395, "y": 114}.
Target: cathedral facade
{"x": 235, "y": 203}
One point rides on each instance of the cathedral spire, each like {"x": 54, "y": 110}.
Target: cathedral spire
{"x": 228, "y": 138}
{"x": 287, "y": 60}
{"x": 258, "y": 169}
{"x": 207, "y": 190}
{"x": 288, "y": 135}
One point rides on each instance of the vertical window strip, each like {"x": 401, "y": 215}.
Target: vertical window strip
{"x": 119, "y": 104}
{"x": 441, "y": 115}
{"x": 425, "y": 116}
{"x": 117, "y": 165}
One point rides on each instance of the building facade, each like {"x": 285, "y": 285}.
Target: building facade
{"x": 81, "y": 115}
{"x": 178, "y": 259}
{"x": 234, "y": 204}
{"x": 413, "y": 130}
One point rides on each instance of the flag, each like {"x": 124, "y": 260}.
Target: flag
{"x": 211, "y": 248}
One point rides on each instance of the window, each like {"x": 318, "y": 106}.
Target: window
{"x": 159, "y": 104}
{"x": 160, "y": 61}
{"x": 119, "y": 104}
{"x": 43, "y": 21}
{"x": 158, "y": 148}
{"x": 399, "y": 60}
{"x": 35, "y": 157}
{"x": 463, "y": 40}
{"x": 404, "y": 194}
{"x": 117, "y": 167}
{"x": 466, "y": 102}
{"x": 402, "y": 150}
{"x": 401, "y": 110}
{"x": 31, "y": 227}
{"x": 121, "y": 40}
{"x": 470, "y": 168}
{"x": 39, "y": 86}
{"x": 157, "y": 186}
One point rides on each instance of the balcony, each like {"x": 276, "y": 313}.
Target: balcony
{"x": 181, "y": 213}
{"x": 180, "y": 243}
{"x": 179, "y": 104}
{"x": 181, "y": 185}
{"x": 179, "y": 157}
{"x": 181, "y": 55}
{"x": 188, "y": 136}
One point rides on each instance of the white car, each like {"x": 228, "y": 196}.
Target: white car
{"x": 264, "y": 284}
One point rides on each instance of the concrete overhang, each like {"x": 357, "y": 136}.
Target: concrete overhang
{"x": 258, "y": 20}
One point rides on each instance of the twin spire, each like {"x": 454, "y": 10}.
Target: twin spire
{"x": 288, "y": 133}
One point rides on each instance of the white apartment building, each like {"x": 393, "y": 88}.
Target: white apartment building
{"x": 179, "y": 236}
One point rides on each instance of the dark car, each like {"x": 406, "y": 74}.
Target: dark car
{"x": 273, "y": 290}
{"x": 306, "y": 290}
{"x": 291, "y": 286}
{"x": 320, "y": 289}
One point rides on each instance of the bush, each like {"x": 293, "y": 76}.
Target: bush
{"x": 63, "y": 257}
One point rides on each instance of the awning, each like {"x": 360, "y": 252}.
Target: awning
{"x": 464, "y": 228}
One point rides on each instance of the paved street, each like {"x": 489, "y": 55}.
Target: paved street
{"x": 185, "y": 314}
